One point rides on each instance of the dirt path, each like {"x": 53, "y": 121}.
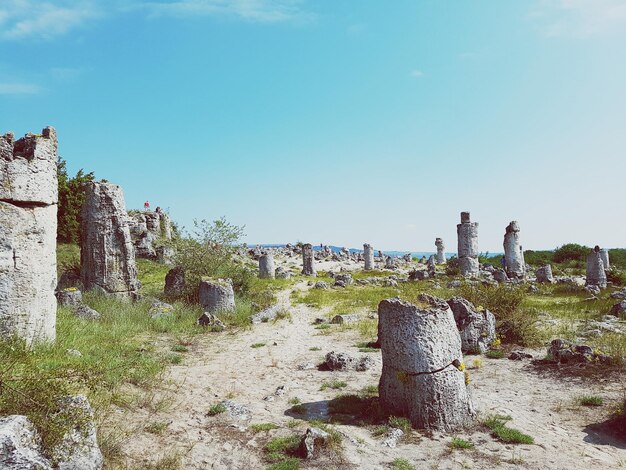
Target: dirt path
{"x": 225, "y": 366}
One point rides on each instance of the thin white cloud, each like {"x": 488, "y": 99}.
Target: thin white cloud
{"x": 21, "y": 19}
{"x": 580, "y": 18}
{"x": 19, "y": 89}
{"x": 262, "y": 11}
{"x": 65, "y": 74}
{"x": 417, "y": 73}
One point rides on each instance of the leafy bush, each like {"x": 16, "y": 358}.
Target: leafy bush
{"x": 538, "y": 258}
{"x": 571, "y": 251}
{"x": 617, "y": 277}
{"x": 71, "y": 199}
{"x": 452, "y": 266}
{"x": 209, "y": 251}
{"x": 514, "y": 324}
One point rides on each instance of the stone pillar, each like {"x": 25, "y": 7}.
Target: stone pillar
{"x": 441, "y": 255}
{"x": 430, "y": 266}
{"x": 266, "y": 266}
{"x": 107, "y": 255}
{"x": 390, "y": 262}
{"x": 596, "y": 275}
{"x": 422, "y": 361}
{"x": 544, "y": 274}
{"x": 513, "y": 255}
{"x": 217, "y": 295}
{"x": 604, "y": 254}
{"x": 467, "y": 233}
{"x": 28, "y": 231}
{"x": 308, "y": 269}
{"x": 368, "y": 253}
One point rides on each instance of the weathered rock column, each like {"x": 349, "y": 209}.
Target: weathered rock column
{"x": 604, "y": 254}
{"x": 266, "y": 266}
{"x": 368, "y": 253}
{"x": 514, "y": 258}
{"x": 107, "y": 256}
{"x": 28, "y": 231}
{"x": 596, "y": 275}
{"x": 308, "y": 269}
{"x": 421, "y": 377}
{"x": 217, "y": 295}
{"x": 441, "y": 255}
{"x": 467, "y": 233}
{"x": 544, "y": 274}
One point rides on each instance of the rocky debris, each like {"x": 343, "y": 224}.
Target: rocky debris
{"x": 390, "y": 282}
{"x": 69, "y": 297}
{"x": 280, "y": 390}
{"x": 281, "y": 273}
{"x": 306, "y": 366}
{"x": 620, "y": 294}
{"x": 596, "y": 274}
{"x": 390, "y": 262}
{"x": 441, "y": 255}
{"x": 79, "y": 448}
{"x": 422, "y": 361}
{"x": 28, "y": 226}
{"x": 174, "y": 282}
{"x": 73, "y": 353}
{"x": 160, "y": 309}
{"x": 345, "y": 278}
{"x": 477, "y": 329}
{"x": 454, "y": 284}
{"x": 321, "y": 285}
{"x": 619, "y": 308}
{"x": 266, "y": 315}
{"x": 544, "y": 274}
{"x": 392, "y": 437}
{"x": 343, "y": 362}
{"x": 217, "y": 295}
{"x": 519, "y": 355}
{"x": 313, "y": 438}
{"x": 364, "y": 363}
{"x": 345, "y": 319}
{"x": 593, "y": 290}
{"x": 236, "y": 410}
{"x": 211, "y": 321}
{"x": 165, "y": 255}
{"x": 513, "y": 252}
{"x": 532, "y": 289}
{"x": 500, "y": 275}
{"x": 84, "y": 312}
{"x": 431, "y": 266}
{"x": 107, "y": 254}
{"x": 266, "y": 266}
{"x": 308, "y": 266}
{"x": 20, "y": 445}
{"x": 467, "y": 233}
{"x": 147, "y": 229}
{"x": 563, "y": 352}
{"x": 433, "y": 301}
{"x": 368, "y": 253}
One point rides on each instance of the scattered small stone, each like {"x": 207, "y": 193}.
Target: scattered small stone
{"x": 266, "y": 315}
{"x": 312, "y": 438}
{"x": 281, "y": 390}
{"x": 73, "y": 353}
{"x": 70, "y": 297}
{"x": 392, "y": 437}
{"x": 363, "y": 364}
{"x": 84, "y": 312}
{"x": 321, "y": 285}
{"x": 161, "y": 310}
{"x": 454, "y": 284}
{"x": 236, "y": 410}
{"x": 209, "y": 320}
{"x": 344, "y": 319}
{"x": 619, "y": 308}
{"x": 519, "y": 355}
{"x": 306, "y": 366}
{"x": 339, "y": 361}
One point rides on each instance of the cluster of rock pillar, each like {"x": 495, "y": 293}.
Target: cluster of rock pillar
{"x": 28, "y": 230}
{"x": 422, "y": 377}
{"x": 596, "y": 270}
{"x": 513, "y": 255}
{"x": 441, "y": 255}
{"x": 107, "y": 254}
{"x": 467, "y": 233}
{"x": 368, "y": 253}
{"x": 308, "y": 268}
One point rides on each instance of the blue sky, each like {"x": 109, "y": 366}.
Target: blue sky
{"x": 338, "y": 121}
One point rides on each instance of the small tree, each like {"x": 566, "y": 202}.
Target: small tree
{"x": 71, "y": 199}
{"x": 571, "y": 251}
{"x": 209, "y": 251}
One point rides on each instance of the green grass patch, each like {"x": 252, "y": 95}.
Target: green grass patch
{"x": 157, "y": 427}
{"x": 591, "y": 400}
{"x": 282, "y": 449}
{"x": 495, "y": 354}
{"x": 216, "y": 409}
{"x": 315, "y": 349}
{"x": 499, "y": 430}
{"x": 401, "y": 464}
{"x": 263, "y": 427}
{"x": 257, "y": 345}
{"x": 459, "y": 443}
{"x": 335, "y": 385}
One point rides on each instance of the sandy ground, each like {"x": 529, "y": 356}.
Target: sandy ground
{"x": 540, "y": 399}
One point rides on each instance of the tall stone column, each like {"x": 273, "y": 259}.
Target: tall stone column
{"x": 308, "y": 268}
{"x": 368, "y": 253}
{"x": 266, "y": 266}
{"x": 467, "y": 234}
{"x": 422, "y": 376}
{"x": 604, "y": 254}
{"x": 513, "y": 255}
{"x": 596, "y": 275}
{"x": 28, "y": 231}
{"x": 107, "y": 255}
{"x": 441, "y": 255}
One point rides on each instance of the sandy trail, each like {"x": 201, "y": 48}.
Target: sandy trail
{"x": 225, "y": 366}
